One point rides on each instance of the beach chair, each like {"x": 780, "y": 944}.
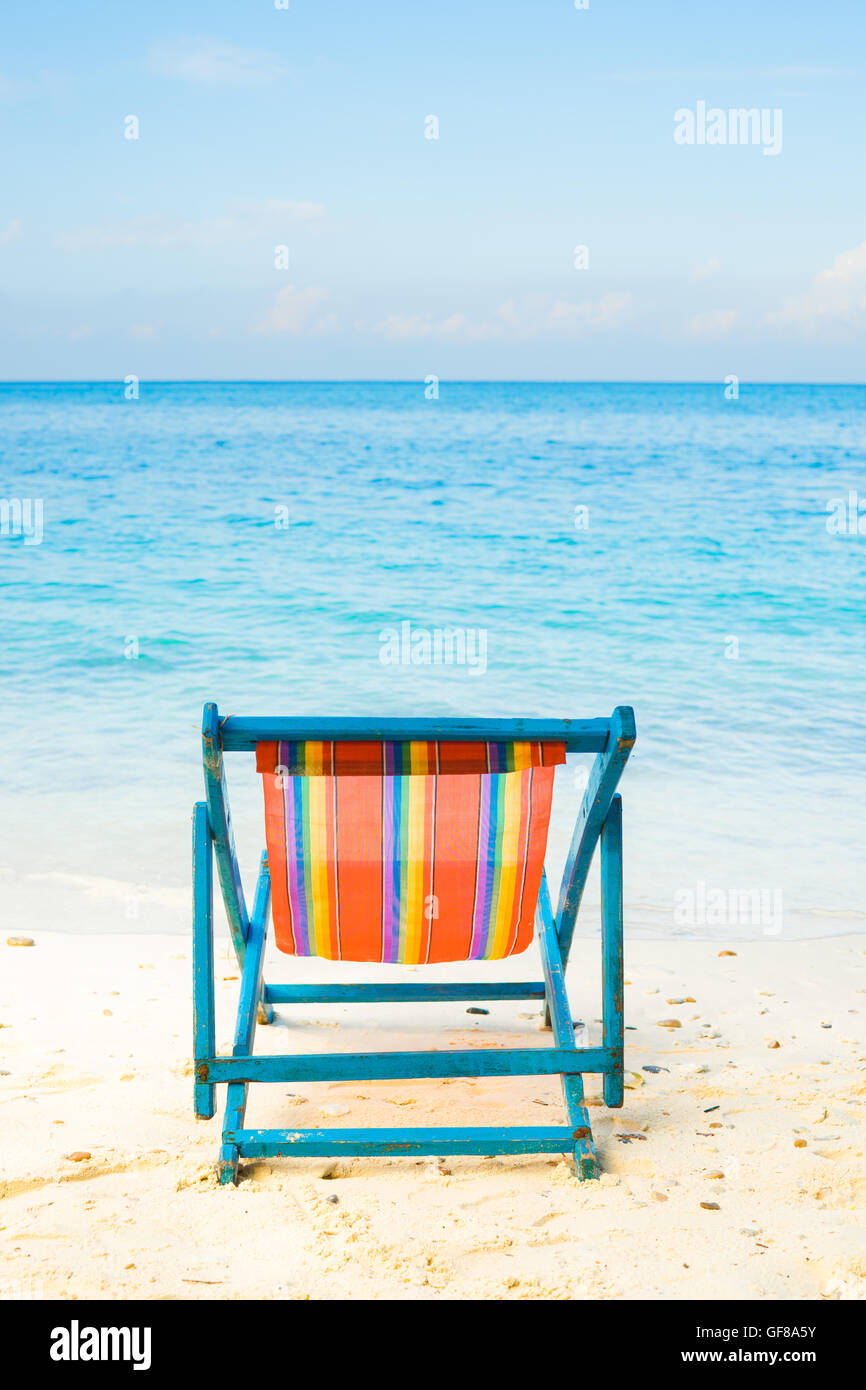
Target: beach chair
{"x": 414, "y": 842}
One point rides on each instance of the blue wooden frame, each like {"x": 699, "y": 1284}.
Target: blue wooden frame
{"x": 599, "y": 823}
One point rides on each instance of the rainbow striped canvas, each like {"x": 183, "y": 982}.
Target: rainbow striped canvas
{"x": 406, "y": 853}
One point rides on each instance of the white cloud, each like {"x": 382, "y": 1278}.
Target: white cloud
{"x": 586, "y": 314}
{"x": 244, "y": 220}
{"x": 294, "y": 312}
{"x": 706, "y": 269}
{"x": 411, "y": 327}
{"x": 837, "y": 298}
{"x": 14, "y": 231}
{"x": 211, "y": 61}
{"x": 716, "y": 323}
{"x": 536, "y": 316}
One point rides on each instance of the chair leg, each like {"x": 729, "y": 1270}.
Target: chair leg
{"x": 611, "y": 949}
{"x": 236, "y": 1109}
{"x": 250, "y": 1005}
{"x": 585, "y": 1161}
{"x": 586, "y": 1166}
{"x": 227, "y": 1165}
{"x": 558, "y": 1011}
{"x": 204, "y": 1096}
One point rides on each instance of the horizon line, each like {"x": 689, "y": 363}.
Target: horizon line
{"x": 412, "y": 381}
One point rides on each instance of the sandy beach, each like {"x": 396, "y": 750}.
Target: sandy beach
{"x": 735, "y": 1169}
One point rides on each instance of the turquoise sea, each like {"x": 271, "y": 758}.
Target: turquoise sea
{"x": 265, "y": 545}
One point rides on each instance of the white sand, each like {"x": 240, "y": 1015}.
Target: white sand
{"x": 95, "y": 1036}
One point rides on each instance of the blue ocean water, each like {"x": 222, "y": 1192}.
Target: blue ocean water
{"x": 255, "y": 543}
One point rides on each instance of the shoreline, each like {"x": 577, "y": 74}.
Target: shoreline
{"x": 89, "y": 905}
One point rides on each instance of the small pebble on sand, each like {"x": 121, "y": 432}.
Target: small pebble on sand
{"x": 77, "y": 1155}
{"x": 799, "y": 1143}
{"x": 669, "y": 1023}
{"x": 20, "y": 941}
{"x": 710, "y": 1206}
{"x": 717, "y": 1174}
{"x": 659, "y": 1197}
{"x": 774, "y": 1043}
{"x": 477, "y": 1011}
{"x": 726, "y": 953}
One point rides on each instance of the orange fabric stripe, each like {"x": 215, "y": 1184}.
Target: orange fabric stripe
{"x": 359, "y": 873}
{"x": 370, "y": 759}
{"x": 457, "y": 802}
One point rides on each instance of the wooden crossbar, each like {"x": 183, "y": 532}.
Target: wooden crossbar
{"x": 400, "y": 994}
{"x": 373, "y": 1066}
{"x": 323, "y": 1143}
{"x": 579, "y": 735}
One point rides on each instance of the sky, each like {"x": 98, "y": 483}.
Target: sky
{"x": 430, "y": 170}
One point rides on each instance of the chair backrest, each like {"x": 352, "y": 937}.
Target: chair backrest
{"x": 409, "y": 852}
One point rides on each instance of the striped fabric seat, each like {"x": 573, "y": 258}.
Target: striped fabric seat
{"x": 408, "y": 853}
